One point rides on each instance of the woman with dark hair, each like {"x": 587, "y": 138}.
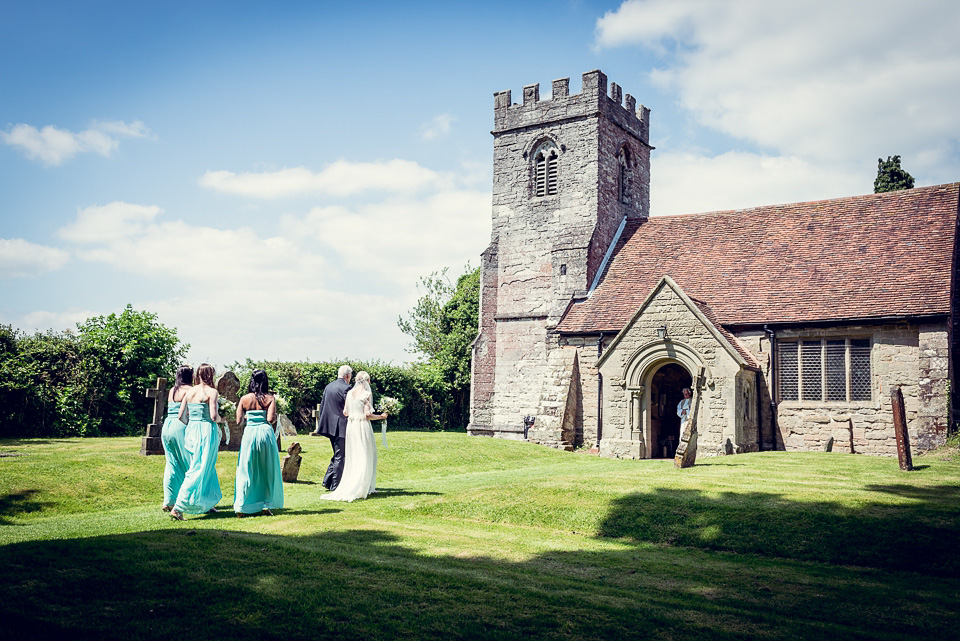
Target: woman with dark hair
{"x": 259, "y": 486}
{"x": 200, "y": 491}
{"x": 173, "y": 437}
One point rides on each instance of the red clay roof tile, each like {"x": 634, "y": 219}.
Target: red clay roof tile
{"x": 863, "y": 257}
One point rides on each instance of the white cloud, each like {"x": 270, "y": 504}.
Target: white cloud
{"x": 399, "y": 240}
{"x": 42, "y": 320}
{"x": 341, "y": 178}
{"x": 686, "y": 183}
{"x": 322, "y": 283}
{"x": 436, "y": 127}
{"x": 823, "y": 81}
{"x": 108, "y": 223}
{"x": 19, "y": 257}
{"x": 53, "y": 146}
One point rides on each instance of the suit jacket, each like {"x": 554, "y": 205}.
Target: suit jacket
{"x": 332, "y": 421}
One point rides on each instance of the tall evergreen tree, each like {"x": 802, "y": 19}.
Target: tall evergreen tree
{"x": 890, "y": 177}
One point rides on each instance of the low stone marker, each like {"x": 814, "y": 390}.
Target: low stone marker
{"x": 900, "y": 429}
{"x": 828, "y": 446}
{"x": 291, "y": 463}
{"x": 151, "y": 443}
{"x": 228, "y": 385}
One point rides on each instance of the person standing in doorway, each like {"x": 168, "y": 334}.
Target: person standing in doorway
{"x": 683, "y": 409}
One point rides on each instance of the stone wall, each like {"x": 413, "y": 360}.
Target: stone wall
{"x": 637, "y": 353}
{"x": 913, "y": 357}
{"x": 546, "y": 249}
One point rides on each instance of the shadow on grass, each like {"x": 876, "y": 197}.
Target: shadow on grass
{"x": 19, "y": 503}
{"x": 917, "y": 537}
{"x": 205, "y": 584}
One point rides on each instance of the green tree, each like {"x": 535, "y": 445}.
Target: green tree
{"x": 121, "y": 355}
{"x": 890, "y": 176}
{"x": 443, "y": 325}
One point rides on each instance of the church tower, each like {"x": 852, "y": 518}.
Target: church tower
{"x": 568, "y": 173}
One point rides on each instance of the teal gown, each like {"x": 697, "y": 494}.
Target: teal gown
{"x": 259, "y": 485}
{"x": 201, "y": 488}
{"x": 173, "y": 436}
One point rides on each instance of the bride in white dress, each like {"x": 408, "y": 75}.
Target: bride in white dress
{"x": 360, "y": 450}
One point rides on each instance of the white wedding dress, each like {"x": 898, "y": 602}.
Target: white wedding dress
{"x": 359, "y": 451}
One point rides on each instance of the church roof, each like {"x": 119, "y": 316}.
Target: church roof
{"x": 847, "y": 259}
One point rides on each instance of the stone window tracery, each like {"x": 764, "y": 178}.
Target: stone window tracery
{"x": 623, "y": 175}
{"x": 545, "y": 170}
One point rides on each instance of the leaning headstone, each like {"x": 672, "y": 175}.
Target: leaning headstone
{"x": 291, "y": 463}
{"x": 900, "y": 430}
{"x": 287, "y": 427}
{"x": 228, "y": 385}
{"x": 686, "y": 454}
{"x": 151, "y": 443}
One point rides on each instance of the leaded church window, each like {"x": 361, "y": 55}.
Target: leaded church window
{"x": 545, "y": 170}
{"x": 836, "y": 369}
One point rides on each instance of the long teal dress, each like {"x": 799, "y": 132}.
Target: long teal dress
{"x": 173, "y": 435}
{"x": 259, "y": 485}
{"x": 201, "y": 488}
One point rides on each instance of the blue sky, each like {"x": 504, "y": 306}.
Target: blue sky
{"x": 273, "y": 178}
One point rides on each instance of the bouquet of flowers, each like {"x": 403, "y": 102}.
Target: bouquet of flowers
{"x": 387, "y": 405}
{"x": 226, "y": 408}
{"x": 283, "y": 405}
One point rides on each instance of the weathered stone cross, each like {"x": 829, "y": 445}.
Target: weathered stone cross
{"x": 151, "y": 443}
{"x": 315, "y": 414}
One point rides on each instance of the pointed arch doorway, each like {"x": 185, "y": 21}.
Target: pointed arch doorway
{"x": 666, "y": 391}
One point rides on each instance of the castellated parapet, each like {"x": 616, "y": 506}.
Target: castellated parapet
{"x": 593, "y": 99}
{"x": 568, "y": 172}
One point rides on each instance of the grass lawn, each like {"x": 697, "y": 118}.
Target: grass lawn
{"x": 481, "y": 538}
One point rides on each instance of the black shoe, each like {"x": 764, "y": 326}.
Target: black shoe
{"x": 314, "y": 433}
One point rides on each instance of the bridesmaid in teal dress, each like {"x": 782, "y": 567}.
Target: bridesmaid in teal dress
{"x": 259, "y": 486}
{"x": 173, "y": 436}
{"x": 200, "y": 491}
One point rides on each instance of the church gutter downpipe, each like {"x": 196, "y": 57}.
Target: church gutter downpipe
{"x": 772, "y": 336}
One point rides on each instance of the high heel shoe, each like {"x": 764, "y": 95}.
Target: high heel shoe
{"x": 176, "y": 516}
{"x": 267, "y": 511}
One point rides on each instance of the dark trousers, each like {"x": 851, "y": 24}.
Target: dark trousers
{"x": 335, "y": 470}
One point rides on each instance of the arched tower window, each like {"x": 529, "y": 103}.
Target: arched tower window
{"x": 623, "y": 176}
{"x": 545, "y": 178}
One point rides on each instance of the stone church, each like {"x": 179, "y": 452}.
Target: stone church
{"x": 790, "y": 322}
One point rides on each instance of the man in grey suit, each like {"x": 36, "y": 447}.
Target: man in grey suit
{"x": 333, "y": 424}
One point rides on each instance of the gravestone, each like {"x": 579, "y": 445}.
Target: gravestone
{"x": 828, "y": 447}
{"x": 291, "y": 463}
{"x": 686, "y": 454}
{"x": 316, "y": 418}
{"x": 229, "y": 385}
{"x": 287, "y": 427}
{"x": 151, "y": 443}
{"x": 900, "y": 429}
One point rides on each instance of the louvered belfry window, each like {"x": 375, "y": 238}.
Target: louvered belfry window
{"x": 835, "y": 369}
{"x": 545, "y": 170}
